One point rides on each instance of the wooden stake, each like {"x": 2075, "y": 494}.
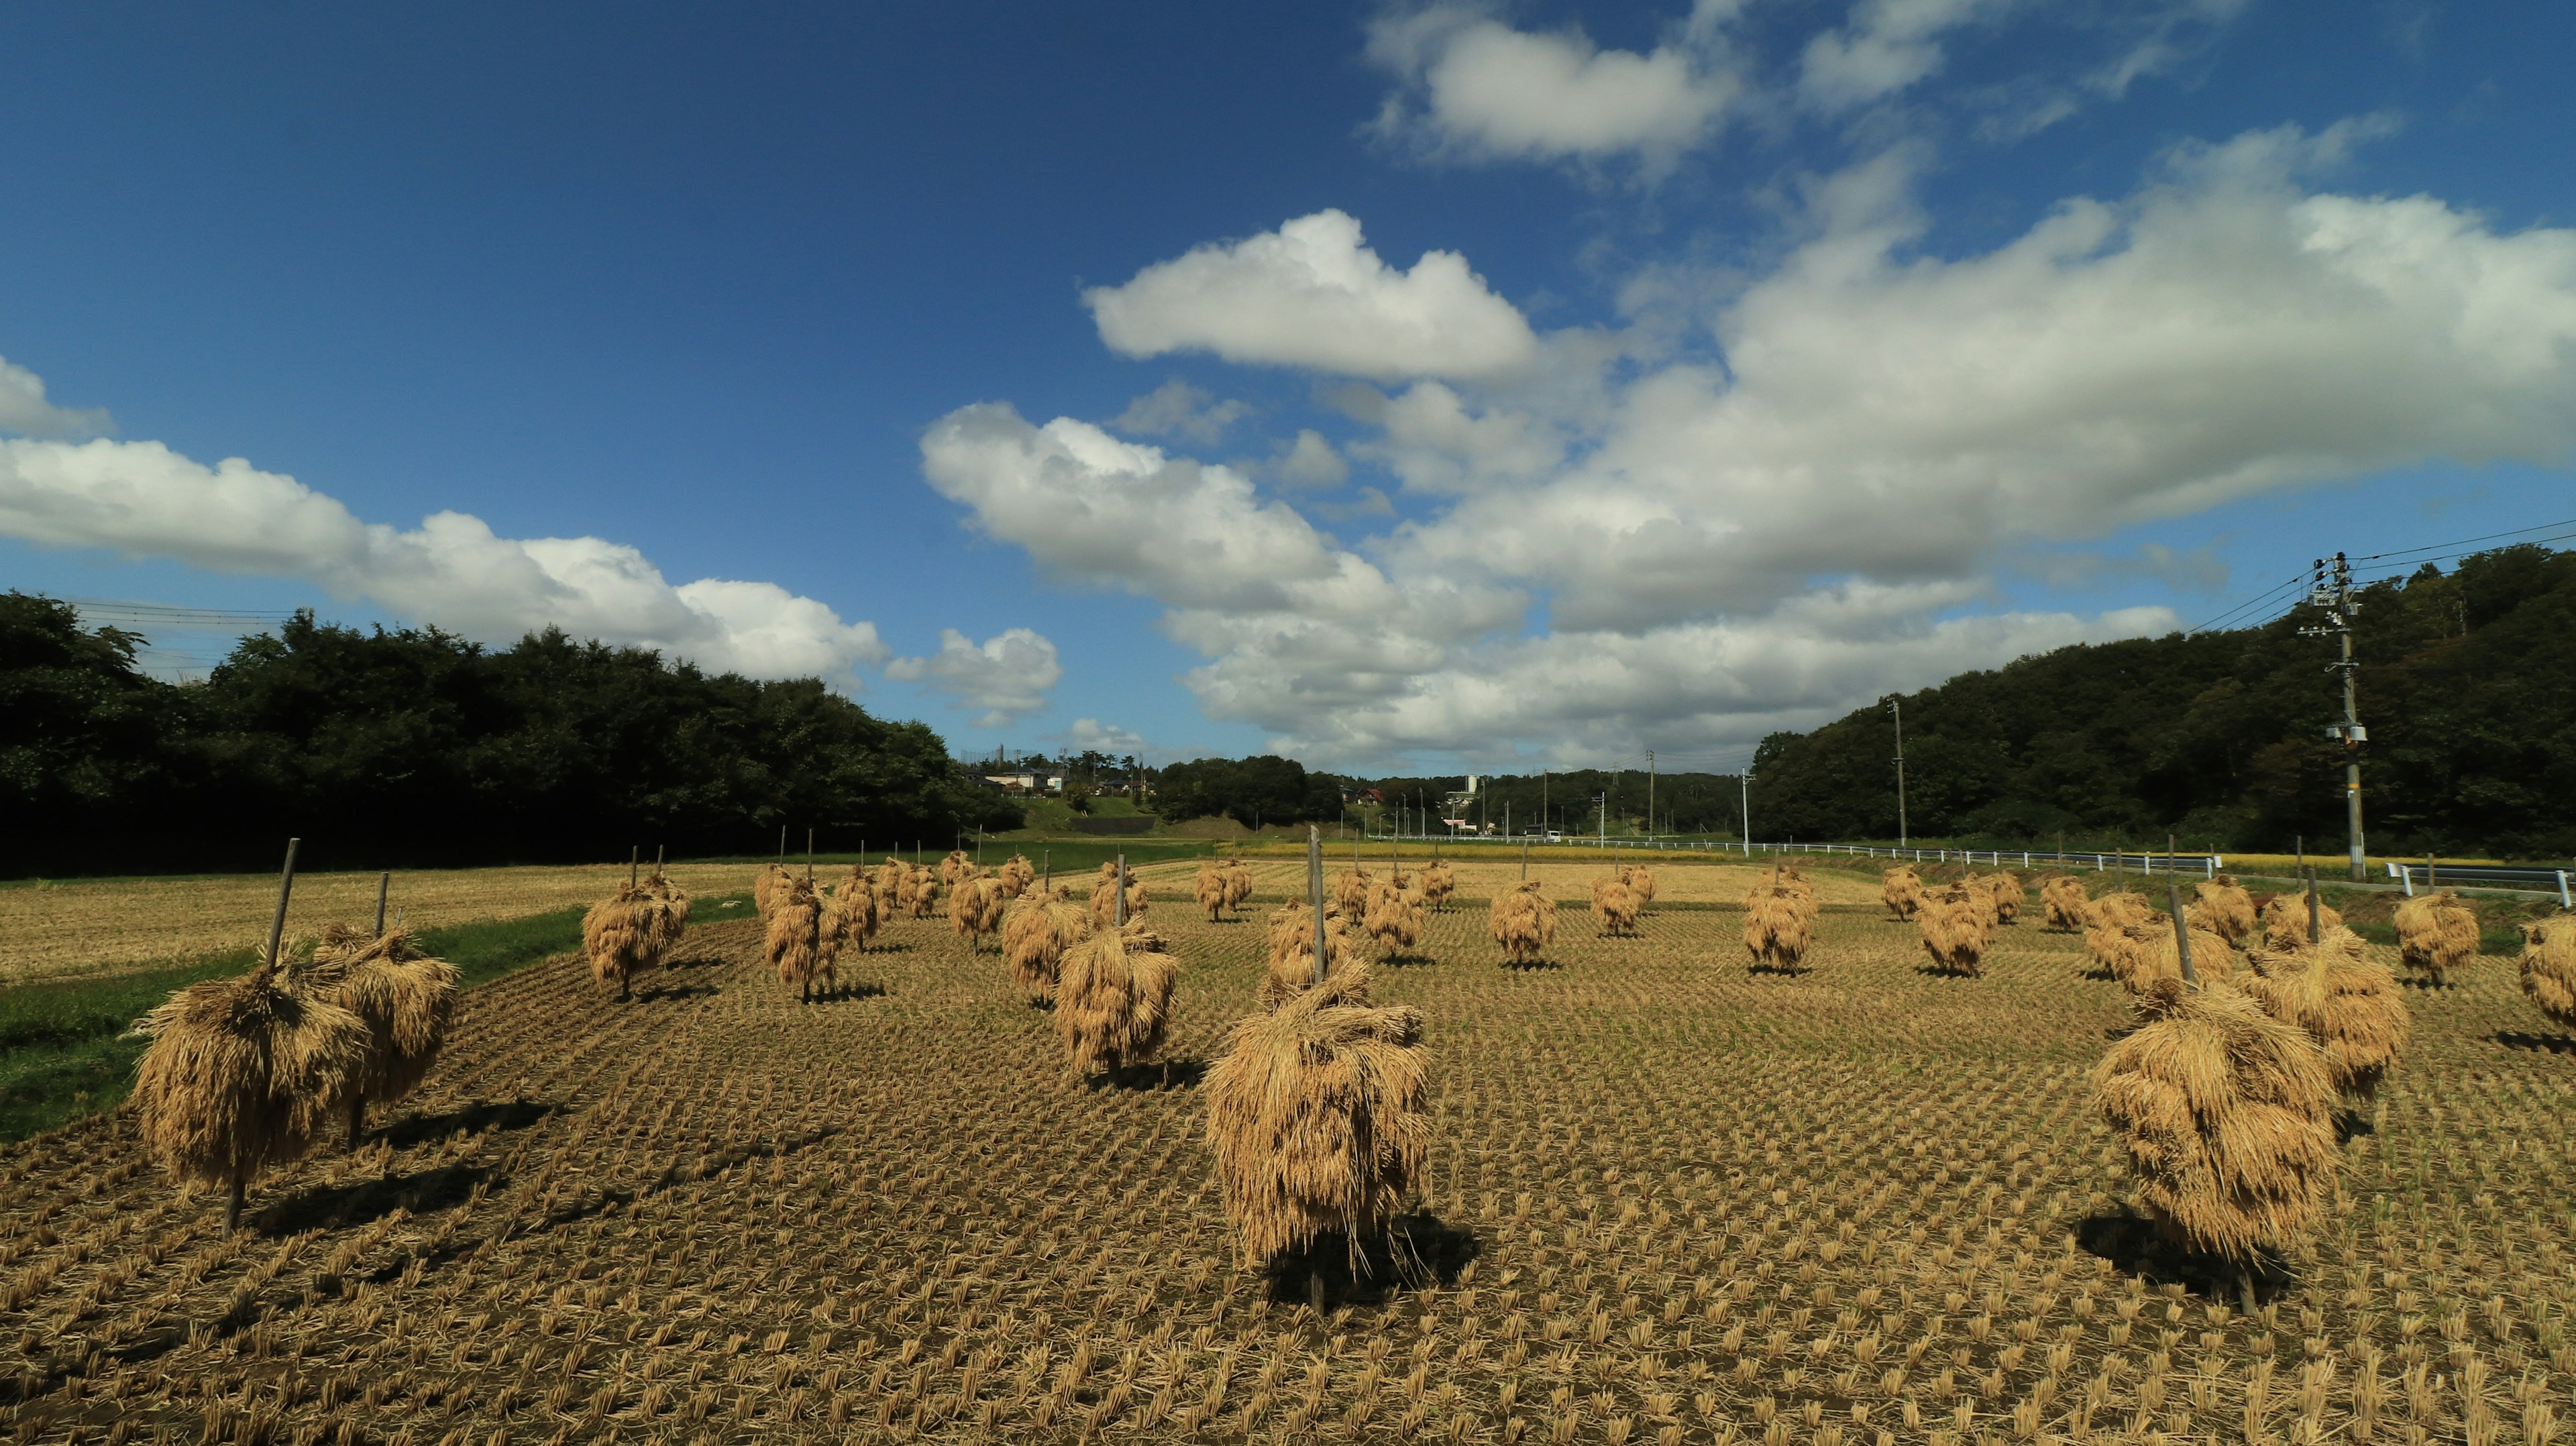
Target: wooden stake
{"x": 2312, "y": 908}
{"x": 384, "y": 884}
{"x": 634, "y": 864}
{"x": 277, "y": 923}
{"x": 1315, "y": 891}
{"x": 2431, "y": 879}
{"x": 2182, "y": 934}
{"x": 1122, "y": 891}
{"x": 809, "y": 855}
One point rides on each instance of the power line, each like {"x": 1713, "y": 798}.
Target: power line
{"x": 2257, "y": 600}
{"x": 2462, "y": 542}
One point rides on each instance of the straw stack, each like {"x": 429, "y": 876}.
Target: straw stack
{"x": 1113, "y": 998}
{"x": 1523, "y": 921}
{"x": 1901, "y": 890}
{"x": 2436, "y": 934}
{"x": 2350, "y": 1006}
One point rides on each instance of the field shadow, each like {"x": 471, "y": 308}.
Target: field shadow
{"x": 2351, "y": 1124}
{"x": 2136, "y": 1247}
{"x": 840, "y": 992}
{"x": 1169, "y": 1074}
{"x": 661, "y": 992}
{"x": 1778, "y": 971}
{"x": 2418, "y": 981}
{"x": 472, "y": 1118}
{"x": 1416, "y": 1252}
{"x": 338, "y": 1206}
{"x": 2523, "y": 1039}
{"x": 1531, "y": 966}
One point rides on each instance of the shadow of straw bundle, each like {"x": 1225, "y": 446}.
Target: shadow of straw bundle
{"x": 2436, "y": 934}
{"x": 2350, "y": 1006}
{"x": 239, "y": 1076}
{"x": 1036, "y": 930}
{"x": 1956, "y": 930}
{"x": 1210, "y": 889}
{"x": 1439, "y": 881}
{"x": 856, "y": 913}
{"x": 1394, "y": 919}
{"x": 618, "y": 937}
{"x": 1319, "y": 1119}
{"x": 2285, "y": 920}
{"x": 2143, "y": 953}
{"x": 2104, "y": 918}
{"x": 800, "y": 943}
{"x": 2549, "y": 967}
{"x": 1523, "y": 920}
{"x": 2008, "y": 894}
{"x": 1779, "y": 925}
{"x": 1292, "y": 952}
{"x": 2225, "y": 909}
{"x": 1016, "y": 874}
{"x": 1901, "y": 890}
{"x": 1238, "y": 884}
{"x": 2223, "y": 1110}
{"x": 1113, "y": 998}
{"x": 2062, "y": 904}
{"x": 406, "y": 999}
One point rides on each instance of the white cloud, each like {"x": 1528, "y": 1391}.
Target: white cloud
{"x": 1435, "y": 443}
{"x": 1310, "y": 461}
{"x": 1311, "y": 294}
{"x": 1177, "y": 409}
{"x": 1886, "y": 47}
{"x": 142, "y": 499}
{"x": 1475, "y": 88}
{"x": 1090, "y": 735}
{"x": 1007, "y": 675}
{"x": 24, "y": 410}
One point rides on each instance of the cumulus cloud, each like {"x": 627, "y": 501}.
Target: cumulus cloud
{"x": 1474, "y": 88}
{"x": 1807, "y": 512}
{"x": 24, "y": 410}
{"x": 1312, "y": 294}
{"x": 1007, "y": 675}
{"x": 1177, "y": 409}
{"x": 142, "y": 499}
{"x": 1886, "y": 47}
{"x": 1310, "y": 461}
{"x": 1090, "y": 735}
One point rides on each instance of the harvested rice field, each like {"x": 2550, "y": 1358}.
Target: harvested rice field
{"x": 1668, "y": 1201}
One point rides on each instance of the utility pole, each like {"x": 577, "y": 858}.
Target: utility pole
{"x": 1744, "y": 807}
{"x": 1545, "y": 819}
{"x": 2330, "y": 588}
{"x": 1605, "y": 816}
{"x": 1650, "y": 793}
{"x": 1898, "y": 706}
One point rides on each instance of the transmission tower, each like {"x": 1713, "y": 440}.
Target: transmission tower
{"x": 2330, "y": 589}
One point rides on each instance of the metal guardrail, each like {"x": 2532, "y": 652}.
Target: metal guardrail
{"x": 2206, "y": 865}
{"x": 2489, "y": 875}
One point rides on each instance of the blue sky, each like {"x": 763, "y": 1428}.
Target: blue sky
{"x": 1424, "y": 386}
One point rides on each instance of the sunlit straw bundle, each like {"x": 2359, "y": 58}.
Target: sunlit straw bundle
{"x": 764, "y": 889}
{"x": 2350, "y": 1006}
{"x": 922, "y": 893}
{"x": 1957, "y": 923}
{"x": 1292, "y": 952}
{"x": 2143, "y": 953}
{"x": 406, "y": 999}
{"x": 1104, "y": 899}
{"x": 1210, "y": 889}
{"x": 1238, "y": 884}
{"x": 1016, "y": 874}
{"x": 1036, "y": 930}
{"x": 975, "y": 910}
{"x": 1394, "y": 919}
{"x": 2436, "y": 934}
{"x": 892, "y": 878}
{"x": 2008, "y": 893}
{"x": 856, "y": 913}
{"x": 2549, "y": 967}
{"x": 2062, "y": 904}
{"x": 958, "y": 865}
{"x": 1439, "y": 881}
{"x": 1614, "y": 907}
{"x": 1113, "y": 998}
{"x": 2226, "y": 909}
{"x": 618, "y": 937}
{"x": 2224, "y": 1113}
{"x": 2285, "y": 920}
{"x": 1319, "y": 1117}
{"x": 1351, "y": 892}
{"x": 1901, "y": 890}
{"x": 801, "y": 947}
{"x": 1779, "y": 925}
{"x": 239, "y": 1076}
{"x": 2104, "y": 918}
{"x": 1641, "y": 882}
{"x": 1523, "y": 920}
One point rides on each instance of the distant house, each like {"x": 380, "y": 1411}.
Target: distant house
{"x": 1026, "y": 781}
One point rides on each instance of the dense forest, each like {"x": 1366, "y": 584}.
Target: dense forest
{"x": 2467, "y": 685}
{"x": 418, "y": 748}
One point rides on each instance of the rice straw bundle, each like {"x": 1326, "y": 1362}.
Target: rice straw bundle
{"x": 1439, "y": 881}
{"x": 1292, "y": 952}
{"x": 1779, "y": 925}
{"x": 976, "y": 910}
{"x": 1036, "y": 931}
{"x": 1956, "y": 929}
{"x": 2104, "y": 918}
{"x": 1981, "y": 897}
{"x": 801, "y": 948}
{"x": 1104, "y": 899}
{"x": 1016, "y": 874}
{"x": 955, "y": 867}
{"x": 1210, "y": 889}
{"x": 1113, "y": 998}
{"x": 1393, "y": 920}
{"x": 922, "y": 894}
{"x": 1523, "y": 920}
{"x": 1614, "y": 907}
{"x": 2009, "y": 894}
{"x": 2226, "y": 909}
{"x": 891, "y": 878}
{"x": 1351, "y": 892}
{"x": 406, "y": 999}
{"x": 765, "y": 888}
{"x": 2350, "y": 1006}
{"x": 1319, "y": 1117}
{"x": 2142, "y": 953}
{"x": 856, "y": 916}
{"x": 2285, "y": 920}
{"x": 2223, "y": 1110}
{"x": 617, "y": 935}
{"x": 1901, "y": 890}
{"x": 2549, "y": 967}
{"x": 2062, "y": 902}
{"x": 1238, "y": 884}
{"x": 239, "y": 1076}
{"x": 1641, "y": 882}
{"x": 2436, "y": 934}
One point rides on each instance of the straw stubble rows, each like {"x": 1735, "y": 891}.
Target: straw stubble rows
{"x": 1666, "y": 1200}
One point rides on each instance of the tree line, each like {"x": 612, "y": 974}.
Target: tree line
{"x": 417, "y": 748}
